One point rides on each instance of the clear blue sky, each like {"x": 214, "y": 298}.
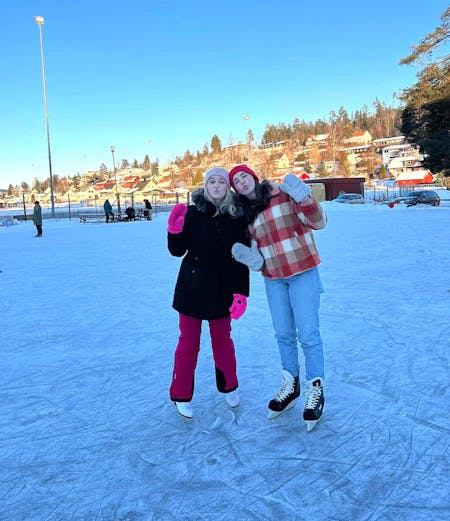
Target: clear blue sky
{"x": 176, "y": 72}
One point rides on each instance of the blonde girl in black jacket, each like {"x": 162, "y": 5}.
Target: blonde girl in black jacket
{"x": 211, "y": 285}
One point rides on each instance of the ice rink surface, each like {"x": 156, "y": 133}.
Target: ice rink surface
{"x": 87, "y": 431}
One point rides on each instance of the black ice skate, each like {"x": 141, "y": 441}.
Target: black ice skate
{"x": 314, "y": 402}
{"x": 286, "y": 396}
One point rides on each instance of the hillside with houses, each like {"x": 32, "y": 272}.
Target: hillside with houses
{"x": 319, "y": 156}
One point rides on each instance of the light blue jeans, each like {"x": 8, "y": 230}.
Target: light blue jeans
{"x": 294, "y": 305}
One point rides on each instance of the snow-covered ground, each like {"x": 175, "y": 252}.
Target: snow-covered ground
{"x": 87, "y": 431}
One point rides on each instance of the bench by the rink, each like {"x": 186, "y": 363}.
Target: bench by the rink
{"x": 92, "y": 217}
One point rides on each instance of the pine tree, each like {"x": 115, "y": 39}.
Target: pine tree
{"x": 426, "y": 115}
{"x": 36, "y": 185}
{"x": 103, "y": 170}
{"x": 146, "y": 164}
{"x": 250, "y": 137}
{"x": 216, "y": 145}
{"x": 155, "y": 169}
{"x": 76, "y": 183}
{"x": 187, "y": 158}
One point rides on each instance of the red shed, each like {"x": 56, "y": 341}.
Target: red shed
{"x": 334, "y": 185}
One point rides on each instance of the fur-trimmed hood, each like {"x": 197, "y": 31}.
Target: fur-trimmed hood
{"x": 266, "y": 188}
{"x": 199, "y": 201}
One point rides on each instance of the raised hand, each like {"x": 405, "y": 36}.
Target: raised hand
{"x": 295, "y": 187}
{"x": 175, "y": 222}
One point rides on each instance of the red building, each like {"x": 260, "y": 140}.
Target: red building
{"x": 414, "y": 177}
{"x": 334, "y": 185}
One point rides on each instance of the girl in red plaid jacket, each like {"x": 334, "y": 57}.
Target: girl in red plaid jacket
{"x": 281, "y": 223}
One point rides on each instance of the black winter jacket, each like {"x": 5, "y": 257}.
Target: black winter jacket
{"x": 209, "y": 275}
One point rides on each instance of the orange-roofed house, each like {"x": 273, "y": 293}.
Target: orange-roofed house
{"x": 362, "y": 137}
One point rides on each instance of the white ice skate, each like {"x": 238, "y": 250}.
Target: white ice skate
{"x": 233, "y": 399}
{"x": 184, "y": 409}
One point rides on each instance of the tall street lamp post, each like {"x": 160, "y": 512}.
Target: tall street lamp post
{"x": 40, "y": 20}
{"x": 24, "y": 207}
{"x": 247, "y": 118}
{"x": 113, "y": 149}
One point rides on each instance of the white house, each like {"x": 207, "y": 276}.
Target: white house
{"x": 318, "y": 139}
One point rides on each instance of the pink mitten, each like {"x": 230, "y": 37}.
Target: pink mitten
{"x": 175, "y": 222}
{"x": 238, "y": 306}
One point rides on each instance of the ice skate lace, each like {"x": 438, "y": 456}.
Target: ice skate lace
{"x": 312, "y": 397}
{"x": 286, "y": 389}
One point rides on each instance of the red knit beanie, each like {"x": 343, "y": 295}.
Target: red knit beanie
{"x": 241, "y": 168}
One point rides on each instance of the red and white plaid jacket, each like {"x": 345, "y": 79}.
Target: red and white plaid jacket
{"x": 283, "y": 232}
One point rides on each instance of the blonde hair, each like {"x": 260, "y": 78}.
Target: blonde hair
{"x": 227, "y": 204}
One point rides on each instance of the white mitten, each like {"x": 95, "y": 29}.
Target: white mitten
{"x": 248, "y": 256}
{"x": 295, "y": 187}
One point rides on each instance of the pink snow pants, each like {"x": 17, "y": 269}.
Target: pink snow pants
{"x": 186, "y": 354}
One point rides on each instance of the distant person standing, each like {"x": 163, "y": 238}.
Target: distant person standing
{"x": 37, "y": 218}
{"x": 147, "y": 210}
{"x": 108, "y": 210}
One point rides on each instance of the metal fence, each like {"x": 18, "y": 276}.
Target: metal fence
{"x": 379, "y": 194}
{"x": 68, "y": 209}
{"x": 64, "y": 212}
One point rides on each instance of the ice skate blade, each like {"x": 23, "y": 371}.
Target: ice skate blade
{"x": 275, "y": 414}
{"x": 186, "y": 418}
{"x": 310, "y": 424}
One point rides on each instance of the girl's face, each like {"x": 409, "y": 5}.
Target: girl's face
{"x": 244, "y": 184}
{"x": 216, "y": 188}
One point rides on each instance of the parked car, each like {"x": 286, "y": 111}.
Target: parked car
{"x": 419, "y": 197}
{"x": 349, "y": 198}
